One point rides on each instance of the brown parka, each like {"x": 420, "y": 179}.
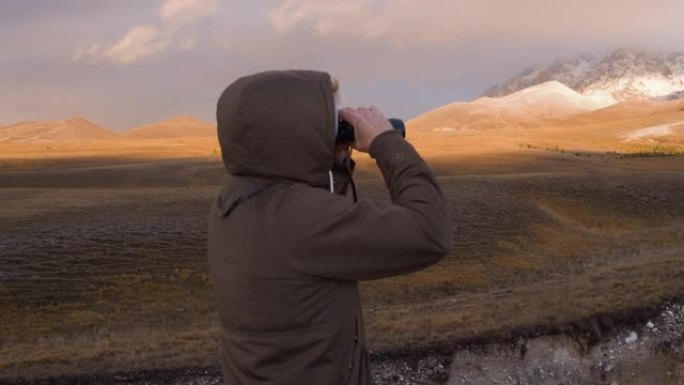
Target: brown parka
{"x": 285, "y": 253}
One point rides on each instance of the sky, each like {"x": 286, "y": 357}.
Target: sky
{"x": 125, "y": 63}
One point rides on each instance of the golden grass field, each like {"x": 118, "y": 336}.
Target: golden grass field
{"x": 104, "y": 257}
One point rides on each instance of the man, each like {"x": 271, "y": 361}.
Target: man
{"x": 286, "y": 248}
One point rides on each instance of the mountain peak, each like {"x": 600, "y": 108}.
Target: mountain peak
{"x": 77, "y": 119}
{"x": 625, "y": 74}
{"x": 551, "y": 85}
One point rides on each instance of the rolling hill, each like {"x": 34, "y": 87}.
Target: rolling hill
{"x": 73, "y": 129}
{"x": 177, "y": 127}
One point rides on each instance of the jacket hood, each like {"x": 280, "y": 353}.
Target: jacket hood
{"x": 278, "y": 124}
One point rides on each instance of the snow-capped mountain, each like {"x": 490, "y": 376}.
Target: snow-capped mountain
{"x": 551, "y": 99}
{"x": 623, "y": 75}
{"x": 527, "y": 108}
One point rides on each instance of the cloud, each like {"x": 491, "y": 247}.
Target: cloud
{"x": 405, "y": 56}
{"x": 324, "y": 16}
{"x": 150, "y": 40}
{"x": 183, "y": 12}
{"x": 407, "y": 23}
{"x": 139, "y": 43}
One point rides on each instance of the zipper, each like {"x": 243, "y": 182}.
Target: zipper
{"x": 352, "y": 364}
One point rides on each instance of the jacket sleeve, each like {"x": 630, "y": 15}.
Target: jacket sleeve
{"x": 335, "y": 238}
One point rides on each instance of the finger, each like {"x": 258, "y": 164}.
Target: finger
{"x": 350, "y": 115}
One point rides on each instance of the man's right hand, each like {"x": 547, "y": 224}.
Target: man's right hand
{"x": 368, "y": 123}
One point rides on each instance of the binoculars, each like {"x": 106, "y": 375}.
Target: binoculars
{"x": 345, "y": 131}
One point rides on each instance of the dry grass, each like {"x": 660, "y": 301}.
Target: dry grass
{"x": 109, "y": 278}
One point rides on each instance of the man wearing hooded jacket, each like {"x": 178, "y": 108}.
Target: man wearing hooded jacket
{"x": 287, "y": 247}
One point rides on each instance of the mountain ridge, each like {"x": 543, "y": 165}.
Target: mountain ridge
{"x": 624, "y": 75}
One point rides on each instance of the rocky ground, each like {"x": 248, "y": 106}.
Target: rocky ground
{"x": 639, "y": 353}
{"x": 651, "y": 352}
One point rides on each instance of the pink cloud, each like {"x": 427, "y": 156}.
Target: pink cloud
{"x": 150, "y": 40}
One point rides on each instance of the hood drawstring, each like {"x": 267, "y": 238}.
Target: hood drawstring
{"x": 332, "y": 185}
{"x": 254, "y": 190}
{"x": 347, "y": 170}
